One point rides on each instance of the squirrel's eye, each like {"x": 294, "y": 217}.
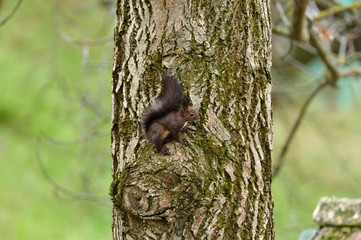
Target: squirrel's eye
{"x": 191, "y": 114}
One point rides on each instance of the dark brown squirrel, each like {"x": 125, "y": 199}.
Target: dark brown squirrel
{"x": 163, "y": 121}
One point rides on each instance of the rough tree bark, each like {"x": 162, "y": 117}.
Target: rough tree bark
{"x": 220, "y": 186}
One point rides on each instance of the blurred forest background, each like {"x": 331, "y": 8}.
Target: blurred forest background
{"x": 55, "y": 107}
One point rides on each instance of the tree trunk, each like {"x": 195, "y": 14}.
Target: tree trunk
{"x": 219, "y": 187}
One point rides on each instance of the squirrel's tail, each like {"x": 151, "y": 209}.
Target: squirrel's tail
{"x": 170, "y": 100}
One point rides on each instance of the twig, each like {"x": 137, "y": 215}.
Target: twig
{"x": 287, "y": 23}
{"x": 280, "y": 32}
{"x": 343, "y": 47}
{"x": 298, "y": 18}
{"x": 352, "y": 73}
{"x": 336, "y": 9}
{"x": 315, "y": 91}
{"x": 75, "y": 141}
{"x": 60, "y": 188}
{"x": 12, "y": 13}
{"x": 335, "y": 75}
{"x": 324, "y": 55}
{"x": 290, "y": 137}
{"x": 298, "y": 64}
{"x": 68, "y": 39}
{"x": 282, "y": 14}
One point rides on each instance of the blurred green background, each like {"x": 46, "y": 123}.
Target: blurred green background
{"x": 55, "y": 108}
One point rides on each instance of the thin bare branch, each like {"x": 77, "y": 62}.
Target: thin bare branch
{"x": 76, "y": 141}
{"x": 282, "y": 13}
{"x": 12, "y": 13}
{"x": 298, "y": 18}
{"x": 343, "y": 47}
{"x": 278, "y": 165}
{"x": 68, "y": 39}
{"x": 299, "y": 65}
{"x": 352, "y": 73}
{"x": 62, "y": 189}
{"x": 337, "y": 9}
{"x": 299, "y": 44}
{"x": 86, "y": 101}
{"x": 280, "y": 32}
{"x": 290, "y": 137}
{"x": 324, "y": 55}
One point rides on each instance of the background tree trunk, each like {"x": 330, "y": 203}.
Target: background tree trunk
{"x": 220, "y": 186}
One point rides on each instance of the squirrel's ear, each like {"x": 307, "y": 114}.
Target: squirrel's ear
{"x": 183, "y": 110}
{"x": 186, "y": 101}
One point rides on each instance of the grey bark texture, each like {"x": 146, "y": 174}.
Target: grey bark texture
{"x": 219, "y": 187}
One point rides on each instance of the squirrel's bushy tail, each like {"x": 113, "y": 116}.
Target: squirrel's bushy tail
{"x": 170, "y": 100}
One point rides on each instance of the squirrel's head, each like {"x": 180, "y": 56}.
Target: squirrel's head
{"x": 190, "y": 114}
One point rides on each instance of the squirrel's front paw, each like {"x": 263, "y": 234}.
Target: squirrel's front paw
{"x": 184, "y": 142}
{"x": 165, "y": 151}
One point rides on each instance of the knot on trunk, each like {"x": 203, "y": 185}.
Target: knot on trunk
{"x": 157, "y": 198}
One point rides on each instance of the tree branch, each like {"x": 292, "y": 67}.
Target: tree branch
{"x": 12, "y": 13}
{"x": 68, "y": 39}
{"x": 60, "y": 188}
{"x": 324, "y": 55}
{"x": 314, "y": 92}
{"x": 282, "y": 13}
{"x": 280, "y": 32}
{"x": 352, "y": 73}
{"x": 298, "y": 18}
{"x": 337, "y": 9}
{"x": 290, "y": 137}
{"x": 75, "y": 141}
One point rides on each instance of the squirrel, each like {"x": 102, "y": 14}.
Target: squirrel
{"x": 163, "y": 121}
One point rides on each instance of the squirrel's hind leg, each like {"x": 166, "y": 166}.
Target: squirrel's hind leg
{"x": 156, "y": 134}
